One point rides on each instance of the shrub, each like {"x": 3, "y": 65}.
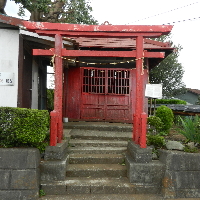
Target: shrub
{"x": 23, "y": 127}
{"x": 50, "y": 99}
{"x": 166, "y": 115}
{"x": 156, "y": 140}
{"x": 170, "y": 101}
{"x": 191, "y": 128}
{"x": 7, "y": 130}
{"x": 155, "y": 124}
{"x": 190, "y": 150}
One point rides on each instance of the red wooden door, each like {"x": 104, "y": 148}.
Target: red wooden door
{"x": 106, "y": 94}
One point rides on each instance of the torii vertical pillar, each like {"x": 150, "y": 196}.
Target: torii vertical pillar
{"x": 140, "y": 117}
{"x": 56, "y": 115}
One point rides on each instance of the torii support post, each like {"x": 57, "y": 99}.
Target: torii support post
{"x": 56, "y": 132}
{"x": 140, "y": 117}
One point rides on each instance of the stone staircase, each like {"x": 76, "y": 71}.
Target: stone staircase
{"x": 95, "y": 161}
{"x": 93, "y": 164}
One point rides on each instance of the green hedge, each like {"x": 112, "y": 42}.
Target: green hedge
{"x": 23, "y": 127}
{"x": 169, "y": 101}
{"x": 167, "y": 117}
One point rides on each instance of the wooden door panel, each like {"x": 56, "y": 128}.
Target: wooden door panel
{"x": 105, "y": 94}
{"x": 117, "y": 114}
{"x": 91, "y": 112}
{"x": 117, "y": 100}
{"x": 88, "y": 99}
{"x": 92, "y": 106}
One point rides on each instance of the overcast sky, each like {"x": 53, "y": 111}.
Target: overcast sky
{"x": 155, "y": 12}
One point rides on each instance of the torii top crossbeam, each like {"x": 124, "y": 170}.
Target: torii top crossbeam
{"x": 76, "y": 31}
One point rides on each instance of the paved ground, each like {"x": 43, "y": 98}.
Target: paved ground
{"x": 110, "y": 197}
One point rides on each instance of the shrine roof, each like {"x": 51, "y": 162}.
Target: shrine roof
{"x": 126, "y": 43}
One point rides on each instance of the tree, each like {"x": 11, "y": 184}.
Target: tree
{"x": 2, "y": 6}
{"x": 66, "y": 11}
{"x": 169, "y": 72}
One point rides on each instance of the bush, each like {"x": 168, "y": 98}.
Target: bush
{"x": 50, "y": 99}
{"x": 166, "y": 115}
{"x": 155, "y": 124}
{"x": 156, "y": 140}
{"x": 23, "y": 127}
{"x": 169, "y": 101}
{"x": 191, "y": 128}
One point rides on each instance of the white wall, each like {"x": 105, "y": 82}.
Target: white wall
{"x": 9, "y": 50}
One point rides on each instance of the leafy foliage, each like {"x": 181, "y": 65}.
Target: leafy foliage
{"x": 23, "y": 127}
{"x": 2, "y": 6}
{"x": 166, "y": 115}
{"x": 191, "y": 128}
{"x": 42, "y": 193}
{"x": 67, "y": 11}
{"x": 169, "y": 101}
{"x": 156, "y": 140}
{"x": 50, "y": 99}
{"x": 169, "y": 72}
{"x": 198, "y": 101}
{"x": 155, "y": 124}
{"x": 190, "y": 150}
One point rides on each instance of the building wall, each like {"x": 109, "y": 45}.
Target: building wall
{"x": 9, "y": 49}
{"x": 189, "y": 97}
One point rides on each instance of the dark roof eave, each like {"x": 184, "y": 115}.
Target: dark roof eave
{"x": 11, "y": 21}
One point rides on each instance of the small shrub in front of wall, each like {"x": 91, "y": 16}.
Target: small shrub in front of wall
{"x": 155, "y": 125}
{"x": 166, "y": 115}
{"x": 156, "y": 140}
{"x": 24, "y": 127}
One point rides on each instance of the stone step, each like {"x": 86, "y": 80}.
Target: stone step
{"x": 82, "y": 185}
{"x": 96, "y": 170}
{"x": 97, "y": 143}
{"x": 107, "y": 197}
{"x": 99, "y": 135}
{"x": 102, "y": 126}
{"x": 96, "y": 158}
{"x": 97, "y": 150}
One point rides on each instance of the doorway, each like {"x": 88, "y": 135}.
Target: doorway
{"x": 106, "y": 94}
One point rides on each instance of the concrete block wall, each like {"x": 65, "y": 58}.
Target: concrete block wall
{"x": 182, "y": 175}
{"x": 175, "y": 175}
{"x": 19, "y": 173}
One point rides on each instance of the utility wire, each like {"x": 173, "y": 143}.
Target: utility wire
{"x": 165, "y": 12}
{"x": 179, "y": 21}
{"x": 184, "y": 20}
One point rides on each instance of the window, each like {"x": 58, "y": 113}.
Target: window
{"x": 106, "y": 81}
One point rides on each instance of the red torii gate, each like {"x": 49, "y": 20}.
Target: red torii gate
{"x": 59, "y": 30}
